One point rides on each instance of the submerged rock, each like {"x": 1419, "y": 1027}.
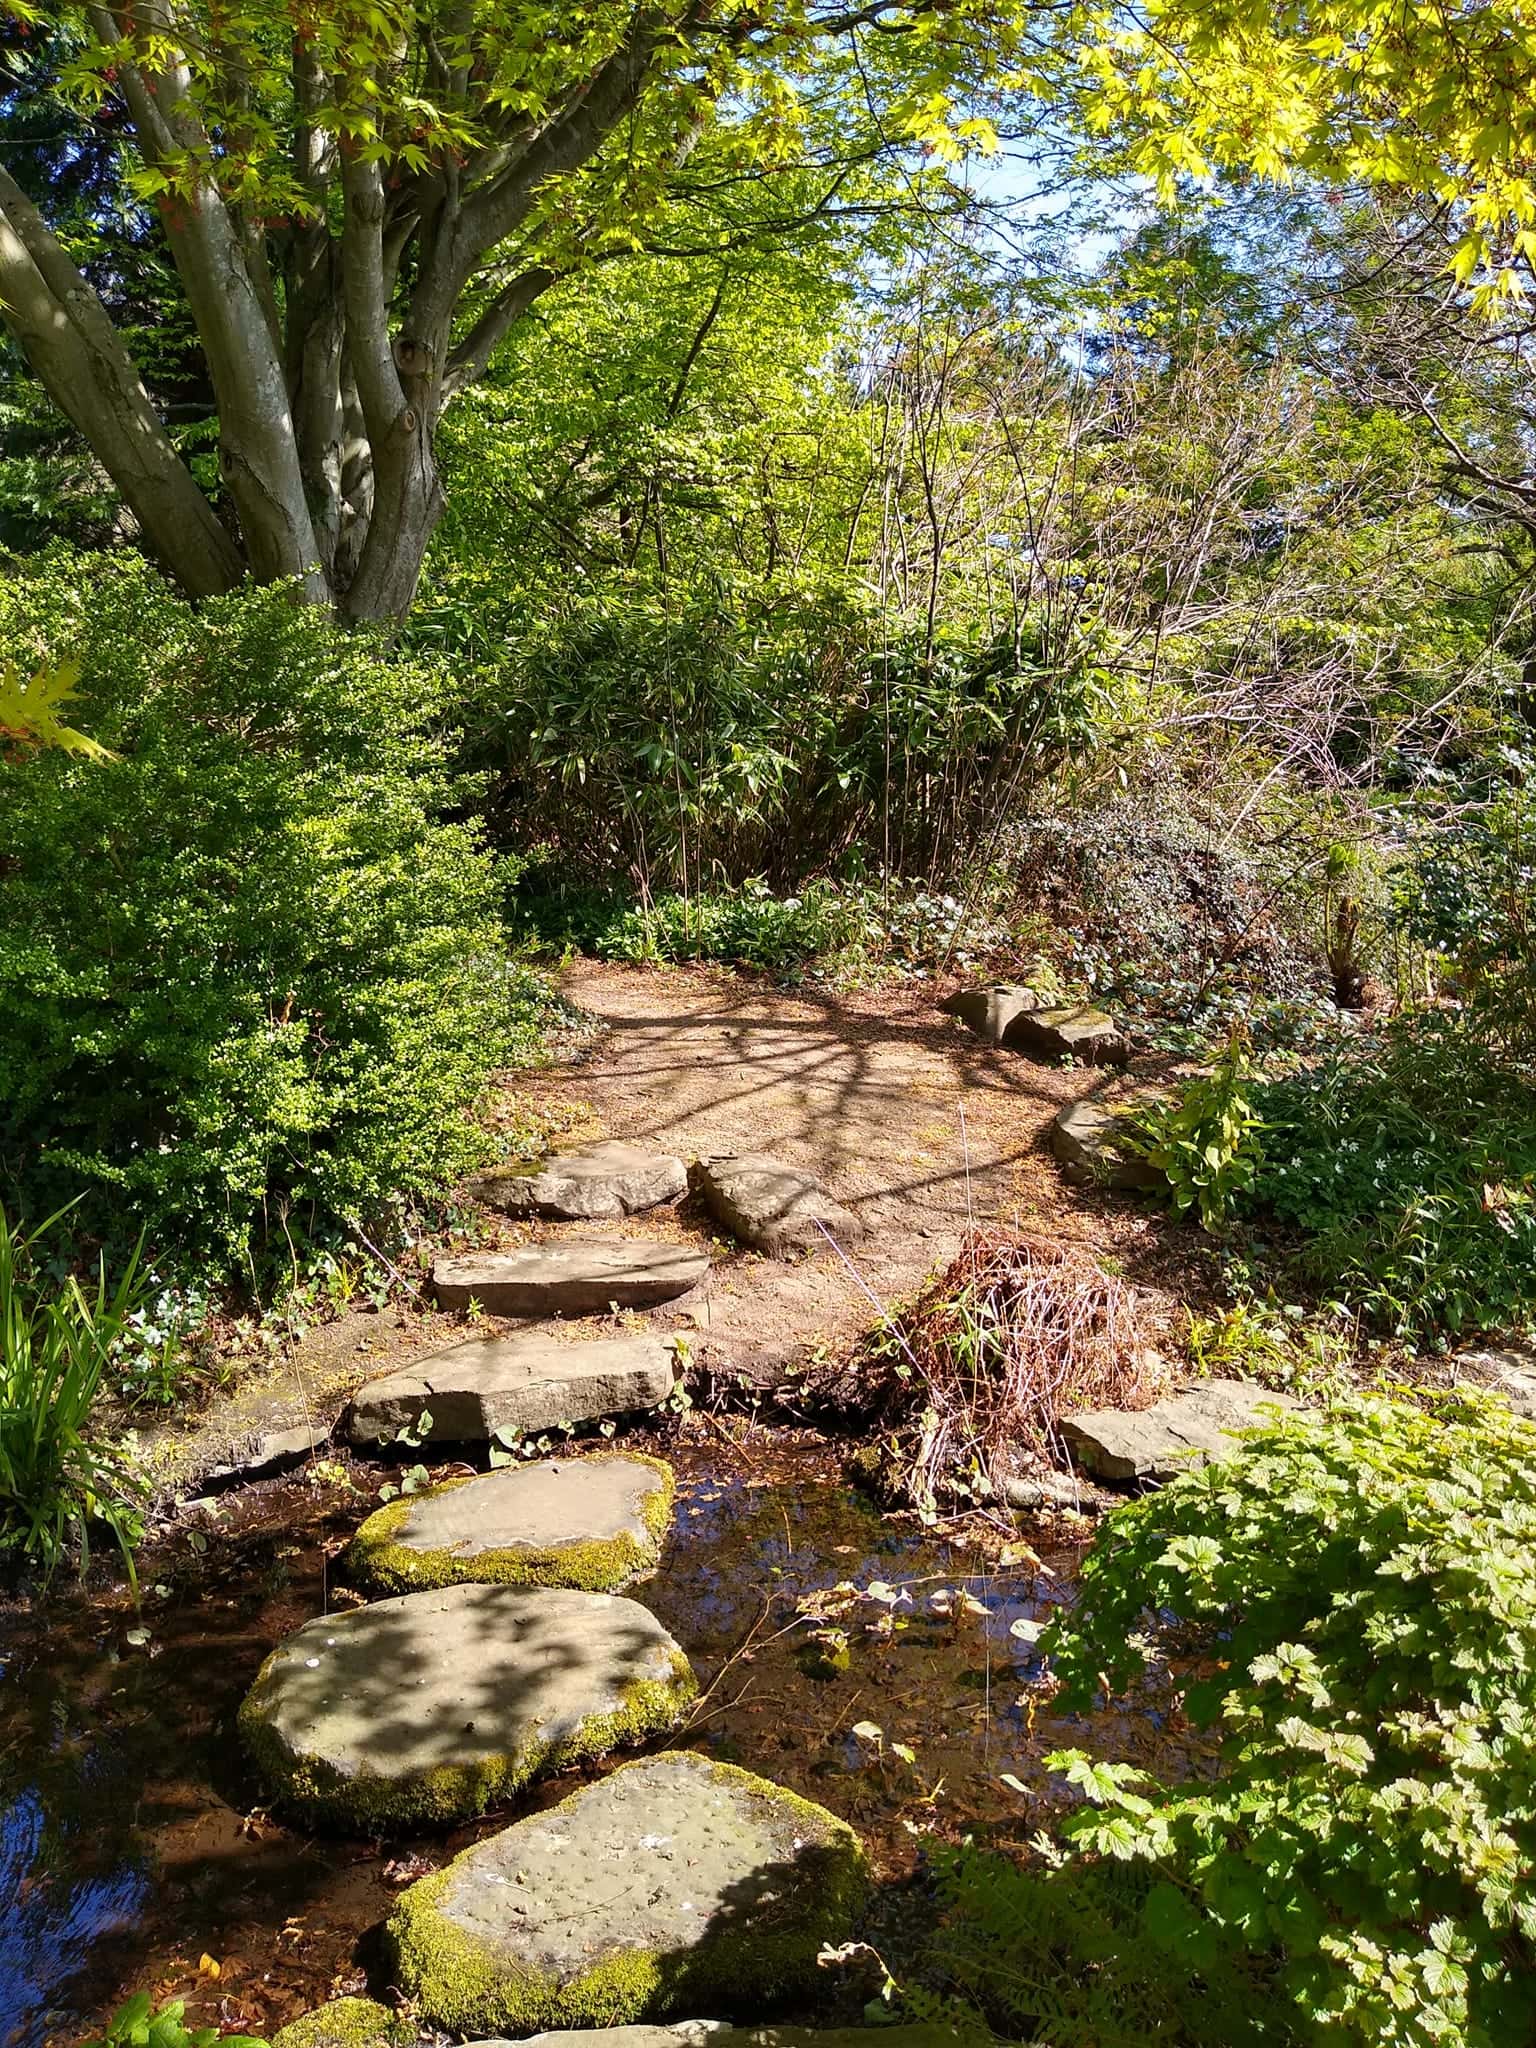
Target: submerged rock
{"x": 432, "y": 1707}
{"x": 771, "y": 1205}
{"x": 1089, "y": 1138}
{"x": 593, "y": 1522}
{"x": 1185, "y": 1429}
{"x": 348, "y": 2023}
{"x": 673, "y": 1882}
{"x": 607, "y": 1179}
{"x": 514, "y": 1386}
{"x": 570, "y": 1278}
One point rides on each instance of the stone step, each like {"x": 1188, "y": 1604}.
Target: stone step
{"x": 607, "y": 1179}
{"x": 431, "y": 1708}
{"x": 673, "y": 1883}
{"x": 595, "y": 1523}
{"x": 771, "y": 1205}
{"x": 1186, "y": 1429}
{"x": 513, "y": 1386}
{"x": 571, "y": 1278}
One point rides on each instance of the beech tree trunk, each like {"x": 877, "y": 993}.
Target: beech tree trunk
{"x": 329, "y": 393}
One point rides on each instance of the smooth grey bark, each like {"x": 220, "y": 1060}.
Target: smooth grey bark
{"x": 328, "y": 409}
{"x": 75, "y": 352}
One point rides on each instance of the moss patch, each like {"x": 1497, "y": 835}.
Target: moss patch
{"x": 453, "y": 1792}
{"x": 459, "y": 1981}
{"x": 377, "y": 1559}
{"x": 349, "y": 2023}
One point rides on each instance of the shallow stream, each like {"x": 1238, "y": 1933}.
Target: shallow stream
{"x": 134, "y": 1848}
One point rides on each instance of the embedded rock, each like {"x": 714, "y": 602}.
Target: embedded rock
{"x": 1510, "y": 1371}
{"x": 990, "y": 1011}
{"x": 771, "y": 1205}
{"x": 347, "y": 2023}
{"x": 607, "y": 1179}
{"x": 671, "y": 1883}
{"x": 276, "y": 1450}
{"x": 1071, "y": 1031}
{"x": 1185, "y": 1429}
{"x": 569, "y": 1278}
{"x": 594, "y": 1523}
{"x": 1089, "y": 1139}
{"x": 513, "y": 1386}
{"x": 432, "y": 1707}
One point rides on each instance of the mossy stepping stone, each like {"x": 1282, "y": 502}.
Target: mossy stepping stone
{"x": 348, "y": 2023}
{"x": 592, "y": 1522}
{"x": 607, "y": 1179}
{"x": 672, "y": 1884}
{"x": 432, "y": 1707}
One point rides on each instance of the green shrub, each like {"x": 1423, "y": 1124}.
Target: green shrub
{"x": 1409, "y": 1164}
{"x": 57, "y": 1483}
{"x": 252, "y": 978}
{"x": 1205, "y": 1139}
{"x": 1353, "y": 1600}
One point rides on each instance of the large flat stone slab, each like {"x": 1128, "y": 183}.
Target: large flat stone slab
{"x": 607, "y": 1179}
{"x": 594, "y": 1523}
{"x": 513, "y": 1386}
{"x": 771, "y": 1205}
{"x": 572, "y": 1278}
{"x": 431, "y": 1708}
{"x": 1069, "y": 1031}
{"x": 1089, "y": 1139}
{"x": 1185, "y": 1429}
{"x": 671, "y": 1883}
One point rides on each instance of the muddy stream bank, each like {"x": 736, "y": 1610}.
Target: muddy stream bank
{"x": 135, "y": 1850}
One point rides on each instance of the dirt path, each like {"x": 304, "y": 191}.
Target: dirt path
{"x": 909, "y": 1119}
{"x": 912, "y": 1121}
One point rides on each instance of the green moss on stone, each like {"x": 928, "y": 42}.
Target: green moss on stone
{"x": 454, "y": 1792}
{"x": 376, "y": 1558}
{"x": 349, "y": 2023}
{"x": 459, "y": 1982}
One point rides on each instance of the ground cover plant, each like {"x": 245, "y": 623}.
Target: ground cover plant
{"x": 1350, "y": 1599}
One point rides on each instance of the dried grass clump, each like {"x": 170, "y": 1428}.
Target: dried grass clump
{"x": 972, "y": 1379}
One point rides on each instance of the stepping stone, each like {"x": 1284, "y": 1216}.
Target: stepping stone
{"x": 671, "y": 1883}
{"x": 771, "y": 1205}
{"x": 1089, "y": 1139}
{"x": 427, "y": 1710}
{"x": 1185, "y": 1429}
{"x": 592, "y": 1522}
{"x": 608, "y": 1179}
{"x": 348, "y": 2023}
{"x": 721, "y": 2034}
{"x": 513, "y": 1387}
{"x": 569, "y": 1279}
{"x": 1075, "y": 1030}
